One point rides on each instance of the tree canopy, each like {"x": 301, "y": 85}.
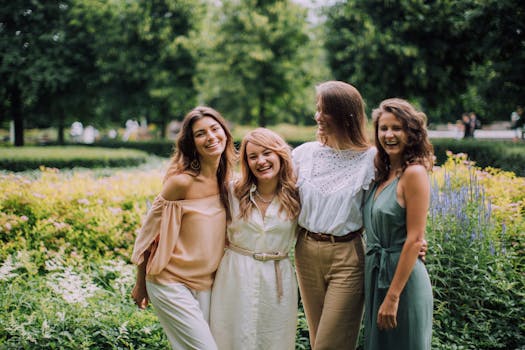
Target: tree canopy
{"x": 103, "y": 62}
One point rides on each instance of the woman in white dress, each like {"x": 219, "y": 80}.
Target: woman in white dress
{"x": 254, "y": 296}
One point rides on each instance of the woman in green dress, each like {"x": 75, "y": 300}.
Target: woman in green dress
{"x": 398, "y": 294}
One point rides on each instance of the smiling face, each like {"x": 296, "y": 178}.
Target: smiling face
{"x": 209, "y": 137}
{"x": 392, "y": 136}
{"x": 264, "y": 163}
{"x": 326, "y": 127}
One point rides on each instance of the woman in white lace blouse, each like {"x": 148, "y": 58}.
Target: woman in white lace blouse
{"x": 333, "y": 174}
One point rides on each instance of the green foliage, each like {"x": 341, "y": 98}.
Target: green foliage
{"x": 508, "y": 156}
{"x": 476, "y": 272}
{"x": 435, "y": 53}
{"x": 29, "y": 158}
{"x": 71, "y": 308}
{"x": 66, "y": 237}
{"x": 253, "y": 63}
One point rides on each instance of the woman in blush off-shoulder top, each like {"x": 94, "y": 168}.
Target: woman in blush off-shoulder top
{"x": 181, "y": 242}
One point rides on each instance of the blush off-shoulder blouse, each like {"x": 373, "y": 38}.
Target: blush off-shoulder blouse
{"x": 186, "y": 240}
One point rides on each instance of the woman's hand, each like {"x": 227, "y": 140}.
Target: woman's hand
{"x": 423, "y": 252}
{"x": 140, "y": 295}
{"x": 387, "y": 314}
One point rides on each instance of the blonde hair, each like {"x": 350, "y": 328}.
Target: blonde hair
{"x": 286, "y": 188}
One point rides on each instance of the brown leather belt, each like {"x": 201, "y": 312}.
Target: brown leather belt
{"x": 325, "y": 237}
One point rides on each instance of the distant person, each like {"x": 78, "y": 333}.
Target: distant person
{"x": 254, "y": 296}
{"x": 181, "y": 241}
{"x": 398, "y": 294}
{"x": 516, "y": 122}
{"x": 475, "y": 123}
{"x": 467, "y": 126}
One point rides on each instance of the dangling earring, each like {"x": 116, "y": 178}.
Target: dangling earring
{"x": 195, "y": 164}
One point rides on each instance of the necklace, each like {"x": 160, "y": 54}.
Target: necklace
{"x": 262, "y": 199}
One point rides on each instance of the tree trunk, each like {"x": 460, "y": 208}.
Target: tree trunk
{"x": 18, "y": 118}
{"x": 61, "y": 126}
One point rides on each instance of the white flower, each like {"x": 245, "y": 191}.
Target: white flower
{"x": 73, "y": 287}
{"x": 7, "y": 267}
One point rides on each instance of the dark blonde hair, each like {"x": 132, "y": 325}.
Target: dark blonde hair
{"x": 418, "y": 149}
{"x": 186, "y": 152}
{"x": 286, "y": 188}
{"x": 344, "y": 104}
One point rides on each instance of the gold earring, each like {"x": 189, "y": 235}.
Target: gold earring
{"x": 195, "y": 165}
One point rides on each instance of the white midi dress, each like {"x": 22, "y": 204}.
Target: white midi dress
{"x": 246, "y": 309}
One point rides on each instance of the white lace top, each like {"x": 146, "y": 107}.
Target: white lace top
{"x": 331, "y": 186}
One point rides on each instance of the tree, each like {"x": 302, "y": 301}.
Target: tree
{"x": 144, "y": 58}
{"x": 413, "y": 49}
{"x": 447, "y": 56}
{"x": 251, "y": 63}
{"x": 32, "y": 59}
{"x": 499, "y": 80}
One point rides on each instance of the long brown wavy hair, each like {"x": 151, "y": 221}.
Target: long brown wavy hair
{"x": 344, "y": 104}
{"x": 418, "y": 149}
{"x": 186, "y": 152}
{"x": 286, "y": 188}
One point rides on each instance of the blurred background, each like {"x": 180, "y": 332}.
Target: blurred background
{"x": 84, "y": 70}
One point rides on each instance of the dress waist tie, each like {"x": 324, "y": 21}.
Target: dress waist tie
{"x": 381, "y": 262}
{"x": 266, "y": 256}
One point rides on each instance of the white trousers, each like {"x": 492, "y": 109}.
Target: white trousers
{"x": 183, "y": 314}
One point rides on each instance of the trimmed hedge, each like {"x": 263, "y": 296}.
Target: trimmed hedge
{"x": 507, "y": 156}
{"x": 30, "y": 158}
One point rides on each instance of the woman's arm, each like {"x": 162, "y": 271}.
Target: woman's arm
{"x": 139, "y": 292}
{"x": 415, "y": 190}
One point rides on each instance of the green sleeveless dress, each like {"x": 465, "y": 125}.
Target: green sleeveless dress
{"x": 385, "y": 227}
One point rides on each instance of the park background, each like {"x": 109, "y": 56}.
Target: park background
{"x": 66, "y": 235}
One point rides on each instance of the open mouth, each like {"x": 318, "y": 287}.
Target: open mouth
{"x": 265, "y": 168}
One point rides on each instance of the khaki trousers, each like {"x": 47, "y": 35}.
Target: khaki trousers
{"x": 331, "y": 282}
{"x": 183, "y": 314}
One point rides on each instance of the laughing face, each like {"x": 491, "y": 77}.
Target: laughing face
{"x": 325, "y": 123}
{"x": 209, "y": 137}
{"x": 392, "y": 136}
{"x": 264, "y": 163}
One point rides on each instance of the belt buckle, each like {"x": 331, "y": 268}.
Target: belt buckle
{"x": 260, "y": 256}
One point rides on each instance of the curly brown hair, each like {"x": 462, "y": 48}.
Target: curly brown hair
{"x": 418, "y": 149}
{"x": 286, "y": 188}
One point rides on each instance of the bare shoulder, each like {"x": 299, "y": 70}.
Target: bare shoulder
{"x": 415, "y": 171}
{"x": 176, "y": 186}
{"x": 414, "y": 178}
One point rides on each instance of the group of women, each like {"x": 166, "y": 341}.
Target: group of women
{"x": 213, "y": 252}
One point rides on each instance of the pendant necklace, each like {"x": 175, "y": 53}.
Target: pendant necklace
{"x": 262, "y": 199}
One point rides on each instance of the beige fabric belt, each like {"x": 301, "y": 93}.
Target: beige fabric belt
{"x": 275, "y": 256}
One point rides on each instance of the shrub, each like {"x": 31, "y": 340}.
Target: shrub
{"x": 74, "y": 308}
{"x": 475, "y": 270}
{"x": 30, "y": 158}
{"x": 76, "y": 212}
{"x": 66, "y": 238}
{"x": 508, "y": 156}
